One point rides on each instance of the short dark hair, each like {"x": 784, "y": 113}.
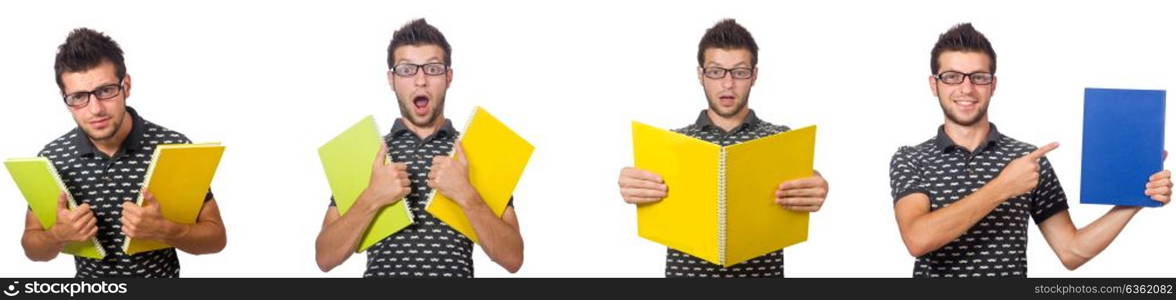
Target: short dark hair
{"x": 85, "y": 49}
{"x": 728, "y": 35}
{"x": 962, "y": 37}
{"x": 417, "y": 33}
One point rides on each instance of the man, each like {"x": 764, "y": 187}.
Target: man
{"x": 962, "y": 199}
{"x": 102, "y": 163}
{"x": 419, "y": 74}
{"x": 727, "y": 57}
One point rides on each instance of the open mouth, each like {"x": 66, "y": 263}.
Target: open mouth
{"x": 420, "y": 104}
{"x": 727, "y": 100}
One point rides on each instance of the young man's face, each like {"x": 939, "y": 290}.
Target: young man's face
{"x": 421, "y": 96}
{"x": 965, "y": 103}
{"x": 99, "y": 119}
{"x": 727, "y": 96}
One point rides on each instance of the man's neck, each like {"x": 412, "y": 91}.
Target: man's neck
{"x": 728, "y": 123}
{"x": 423, "y": 132}
{"x": 968, "y": 136}
{"x": 111, "y": 145}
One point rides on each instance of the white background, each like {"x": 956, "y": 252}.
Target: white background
{"x": 273, "y": 80}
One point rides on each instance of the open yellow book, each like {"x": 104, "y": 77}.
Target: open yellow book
{"x": 347, "y": 161}
{"x": 40, "y": 185}
{"x": 179, "y": 177}
{"x": 720, "y": 204}
{"x": 496, "y": 157}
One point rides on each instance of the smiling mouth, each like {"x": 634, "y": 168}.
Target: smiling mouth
{"x": 966, "y": 103}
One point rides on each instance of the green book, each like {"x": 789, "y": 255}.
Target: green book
{"x": 347, "y": 161}
{"x": 39, "y": 183}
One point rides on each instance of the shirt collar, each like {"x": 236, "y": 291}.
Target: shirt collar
{"x": 135, "y": 137}
{"x": 944, "y": 142}
{"x": 704, "y": 121}
{"x": 446, "y": 130}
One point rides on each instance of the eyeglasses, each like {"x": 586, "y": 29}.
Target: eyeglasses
{"x": 719, "y": 73}
{"x": 977, "y": 78}
{"x": 409, "y": 70}
{"x": 81, "y": 99}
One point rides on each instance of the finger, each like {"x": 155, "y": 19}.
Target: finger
{"x": 1155, "y": 183}
{"x": 800, "y": 201}
{"x": 1040, "y": 152}
{"x": 431, "y": 183}
{"x": 401, "y": 167}
{"x": 149, "y": 198}
{"x": 642, "y": 200}
{"x": 643, "y": 184}
{"x": 61, "y": 201}
{"x": 1160, "y": 174}
{"x": 643, "y": 193}
{"x": 802, "y": 208}
{"x": 129, "y": 207}
{"x": 641, "y": 174}
{"x": 459, "y": 153}
{"x": 381, "y": 156}
{"x": 93, "y": 231}
{"x": 92, "y": 223}
{"x": 809, "y": 192}
{"x": 1162, "y": 198}
{"x": 77, "y": 213}
{"x": 807, "y": 182}
{"x": 1158, "y": 191}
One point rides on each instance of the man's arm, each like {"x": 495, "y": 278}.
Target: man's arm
{"x": 1074, "y": 247}
{"x": 499, "y": 237}
{"x": 342, "y": 233}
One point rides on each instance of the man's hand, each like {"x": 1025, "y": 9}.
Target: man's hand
{"x": 450, "y": 177}
{"x": 804, "y": 194}
{"x": 640, "y": 186}
{"x": 77, "y": 225}
{"x": 389, "y": 182}
{"x": 1021, "y": 175}
{"x": 147, "y": 221}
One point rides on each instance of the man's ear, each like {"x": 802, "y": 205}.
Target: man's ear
{"x": 391, "y": 77}
{"x": 934, "y": 87}
{"x": 126, "y": 86}
{"x": 754, "y": 75}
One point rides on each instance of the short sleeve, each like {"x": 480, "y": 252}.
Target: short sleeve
{"x": 1048, "y": 198}
{"x": 905, "y": 175}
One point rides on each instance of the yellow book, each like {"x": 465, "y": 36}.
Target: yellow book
{"x": 179, "y": 177}
{"x": 720, "y": 204}
{"x": 347, "y": 162}
{"x": 40, "y": 185}
{"x": 496, "y": 157}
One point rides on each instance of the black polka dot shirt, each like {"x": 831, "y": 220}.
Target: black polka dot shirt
{"x": 105, "y": 182}
{"x": 680, "y": 264}
{"x": 946, "y": 173}
{"x": 428, "y": 247}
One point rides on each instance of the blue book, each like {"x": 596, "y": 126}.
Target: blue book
{"x": 1122, "y": 145}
